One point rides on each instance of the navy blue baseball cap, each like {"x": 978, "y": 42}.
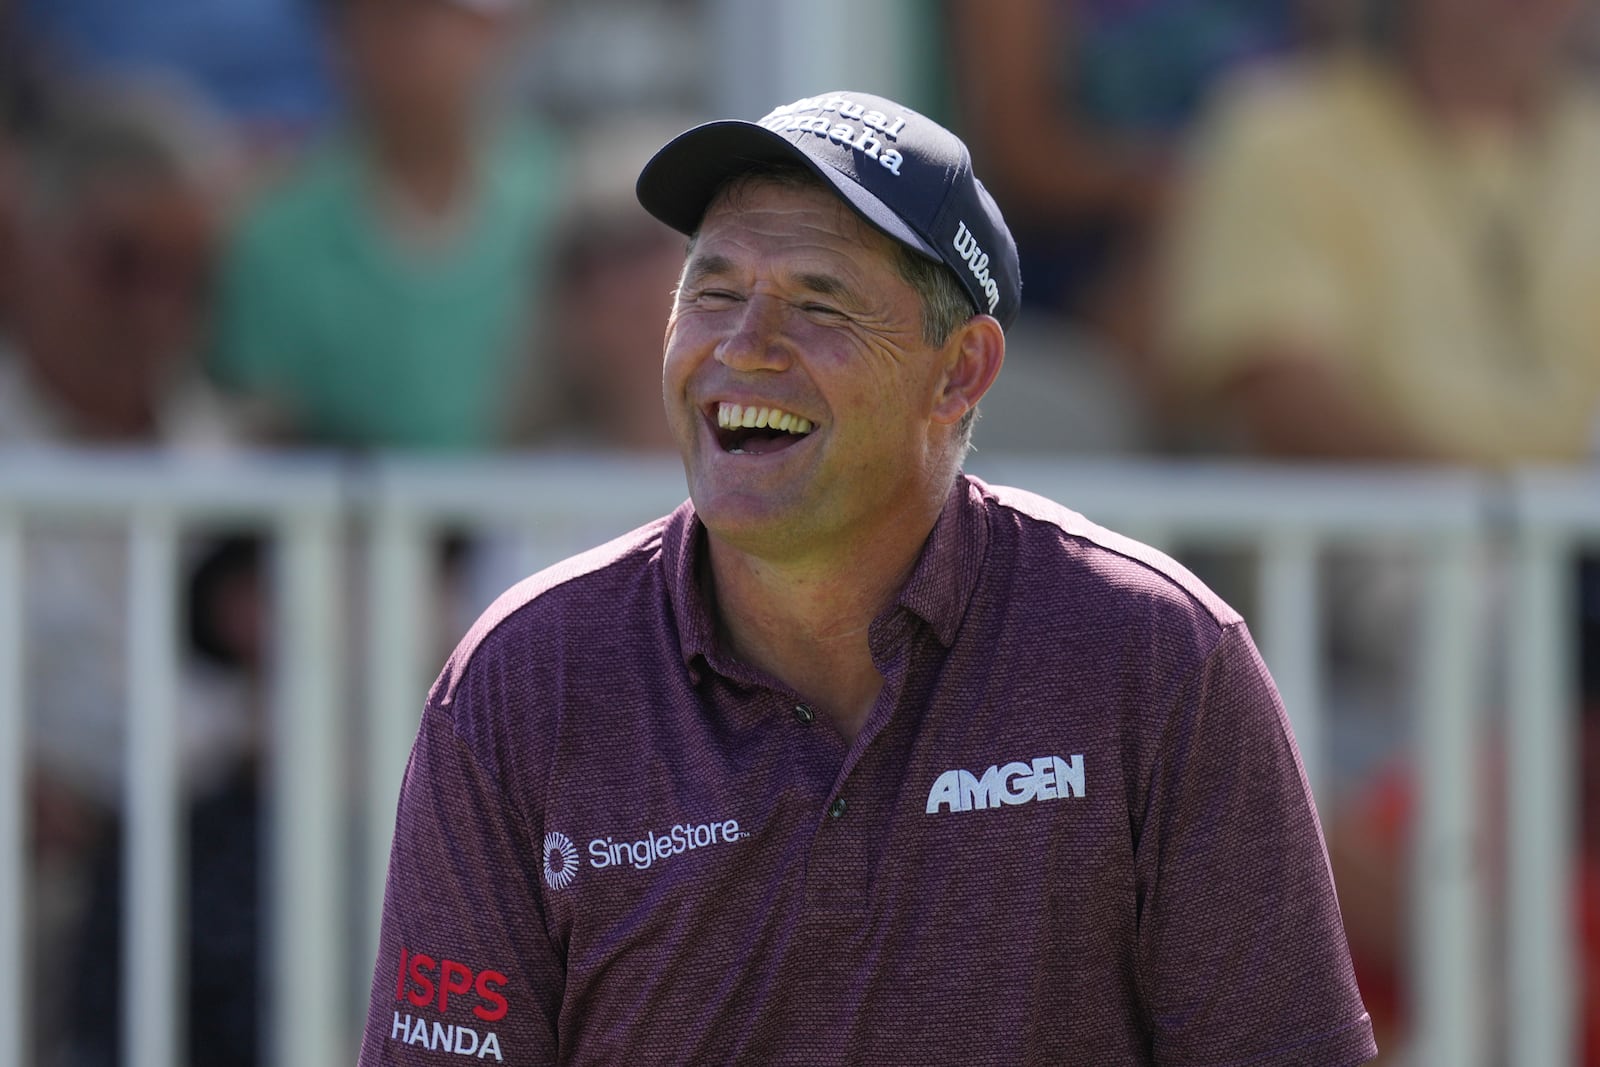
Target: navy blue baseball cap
{"x": 901, "y": 171}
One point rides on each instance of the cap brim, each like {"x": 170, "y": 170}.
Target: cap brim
{"x": 677, "y": 185}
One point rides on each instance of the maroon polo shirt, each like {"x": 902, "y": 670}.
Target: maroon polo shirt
{"x": 1074, "y": 829}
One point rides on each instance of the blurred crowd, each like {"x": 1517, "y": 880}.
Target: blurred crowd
{"x": 1295, "y": 229}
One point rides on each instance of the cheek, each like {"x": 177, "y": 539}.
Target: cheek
{"x": 874, "y": 381}
{"x": 681, "y": 353}
{"x": 692, "y": 335}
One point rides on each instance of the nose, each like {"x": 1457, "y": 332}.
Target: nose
{"x": 757, "y": 341}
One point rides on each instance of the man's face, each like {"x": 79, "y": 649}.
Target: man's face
{"x": 790, "y": 303}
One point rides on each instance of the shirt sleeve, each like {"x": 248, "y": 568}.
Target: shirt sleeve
{"x": 465, "y": 967}
{"x": 1241, "y": 952}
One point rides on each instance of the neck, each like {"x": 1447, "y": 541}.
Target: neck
{"x": 807, "y": 621}
{"x": 430, "y": 170}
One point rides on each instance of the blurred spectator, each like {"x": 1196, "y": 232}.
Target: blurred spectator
{"x": 615, "y": 268}
{"x": 103, "y": 286}
{"x": 105, "y": 276}
{"x": 258, "y": 61}
{"x": 1393, "y": 253}
{"x": 1076, "y": 107}
{"x": 1390, "y": 253}
{"x": 378, "y": 297}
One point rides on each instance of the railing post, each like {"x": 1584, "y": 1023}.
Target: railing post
{"x": 1447, "y": 914}
{"x": 1291, "y": 640}
{"x": 13, "y": 801}
{"x": 397, "y": 677}
{"x": 309, "y": 1027}
{"x": 153, "y": 855}
{"x": 1540, "y": 798}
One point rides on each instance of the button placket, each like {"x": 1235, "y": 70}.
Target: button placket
{"x": 840, "y": 864}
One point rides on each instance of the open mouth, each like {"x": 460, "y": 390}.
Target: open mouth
{"x": 755, "y": 431}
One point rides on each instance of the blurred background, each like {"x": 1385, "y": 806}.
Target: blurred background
{"x": 395, "y": 242}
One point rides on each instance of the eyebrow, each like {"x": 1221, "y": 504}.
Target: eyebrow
{"x": 702, "y": 267}
{"x": 826, "y": 285}
{"x": 712, "y": 264}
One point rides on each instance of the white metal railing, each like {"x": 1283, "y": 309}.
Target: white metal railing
{"x": 1551, "y": 515}
{"x": 13, "y": 838}
{"x": 300, "y": 502}
{"x": 555, "y": 504}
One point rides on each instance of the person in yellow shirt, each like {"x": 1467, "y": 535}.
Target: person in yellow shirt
{"x": 1395, "y": 253}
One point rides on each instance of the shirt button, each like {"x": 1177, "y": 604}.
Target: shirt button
{"x": 804, "y": 715}
{"x": 836, "y": 809}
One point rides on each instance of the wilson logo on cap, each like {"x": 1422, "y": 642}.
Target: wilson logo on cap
{"x": 977, "y": 261}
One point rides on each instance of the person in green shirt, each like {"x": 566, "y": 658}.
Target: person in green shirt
{"x": 378, "y": 297}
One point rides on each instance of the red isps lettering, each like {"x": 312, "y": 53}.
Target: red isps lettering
{"x": 453, "y": 978}
{"x": 416, "y": 984}
{"x": 494, "y": 1007}
{"x": 421, "y": 964}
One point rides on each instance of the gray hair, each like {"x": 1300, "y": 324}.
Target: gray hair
{"x": 945, "y": 306}
{"x": 132, "y": 131}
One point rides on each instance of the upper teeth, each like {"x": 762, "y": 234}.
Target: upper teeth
{"x": 732, "y": 416}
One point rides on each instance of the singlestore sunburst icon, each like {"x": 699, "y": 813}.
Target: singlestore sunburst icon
{"x": 560, "y": 860}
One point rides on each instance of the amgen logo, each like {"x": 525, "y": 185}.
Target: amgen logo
{"x": 1046, "y": 778}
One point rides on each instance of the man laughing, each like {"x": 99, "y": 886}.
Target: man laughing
{"x": 854, "y": 758}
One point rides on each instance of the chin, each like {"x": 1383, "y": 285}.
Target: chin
{"x": 750, "y": 521}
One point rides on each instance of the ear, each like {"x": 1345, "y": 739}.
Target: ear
{"x": 972, "y": 358}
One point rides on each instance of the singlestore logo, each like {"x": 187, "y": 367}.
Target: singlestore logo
{"x": 561, "y": 861}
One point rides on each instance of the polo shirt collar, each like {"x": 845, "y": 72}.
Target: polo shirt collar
{"x": 682, "y": 545}
{"x": 938, "y": 591}
{"x": 946, "y": 573}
